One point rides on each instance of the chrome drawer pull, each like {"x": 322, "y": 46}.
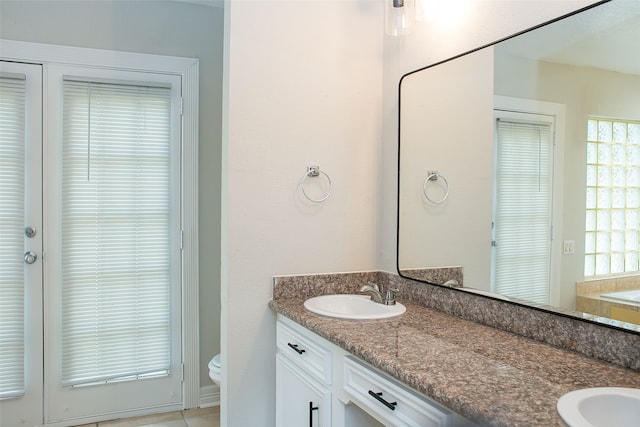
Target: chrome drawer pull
{"x": 378, "y": 397}
{"x": 295, "y": 347}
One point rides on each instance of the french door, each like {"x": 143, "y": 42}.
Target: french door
{"x": 21, "y": 327}
{"x": 90, "y": 302}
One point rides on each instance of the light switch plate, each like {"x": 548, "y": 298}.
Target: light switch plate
{"x": 569, "y": 247}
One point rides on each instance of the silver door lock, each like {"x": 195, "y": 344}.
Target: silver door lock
{"x": 30, "y": 257}
{"x": 30, "y": 231}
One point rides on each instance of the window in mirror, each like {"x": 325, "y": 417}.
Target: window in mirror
{"x": 613, "y": 197}
{"x": 523, "y": 214}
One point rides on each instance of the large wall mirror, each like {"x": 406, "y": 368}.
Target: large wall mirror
{"x": 519, "y": 168}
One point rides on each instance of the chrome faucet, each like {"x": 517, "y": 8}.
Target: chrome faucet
{"x": 374, "y": 291}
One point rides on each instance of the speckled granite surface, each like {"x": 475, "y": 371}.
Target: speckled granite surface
{"x": 437, "y": 275}
{"x": 486, "y": 374}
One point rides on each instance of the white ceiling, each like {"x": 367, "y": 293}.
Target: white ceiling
{"x": 607, "y": 37}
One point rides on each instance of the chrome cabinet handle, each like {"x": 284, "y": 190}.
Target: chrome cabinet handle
{"x": 30, "y": 257}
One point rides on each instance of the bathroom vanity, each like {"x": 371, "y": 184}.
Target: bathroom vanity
{"x": 321, "y": 384}
{"x": 439, "y": 367}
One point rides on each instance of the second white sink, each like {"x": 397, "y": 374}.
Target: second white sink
{"x": 601, "y": 407}
{"x": 347, "y": 306}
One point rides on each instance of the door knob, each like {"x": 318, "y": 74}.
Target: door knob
{"x": 30, "y": 257}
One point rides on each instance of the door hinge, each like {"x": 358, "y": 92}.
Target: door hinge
{"x": 182, "y": 372}
{"x": 181, "y": 240}
{"x": 181, "y": 106}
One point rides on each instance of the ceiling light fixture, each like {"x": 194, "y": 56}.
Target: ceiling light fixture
{"x": 398, "y": 16}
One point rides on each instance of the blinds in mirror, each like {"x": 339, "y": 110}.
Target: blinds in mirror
{"x": 523, "y": 210}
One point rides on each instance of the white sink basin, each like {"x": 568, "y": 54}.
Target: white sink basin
{"x": 601, "y": 406}
{"x": 346, "y": 306}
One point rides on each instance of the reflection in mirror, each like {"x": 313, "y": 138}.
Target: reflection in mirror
{"x": 536, "y": 143}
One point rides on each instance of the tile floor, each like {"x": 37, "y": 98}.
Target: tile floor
{"x": 201, "y": 417}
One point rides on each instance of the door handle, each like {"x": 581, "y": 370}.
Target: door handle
{"x": 30, "y": 257}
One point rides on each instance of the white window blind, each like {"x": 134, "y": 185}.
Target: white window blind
{"x": 523, "y": 210}
{"x": 115, "y": 249}
{"x": 12, "y": 182}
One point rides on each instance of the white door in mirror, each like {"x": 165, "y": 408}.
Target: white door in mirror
{"x": 601, "y": 407}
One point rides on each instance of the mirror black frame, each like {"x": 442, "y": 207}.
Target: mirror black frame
{"x": 546, "y": 309}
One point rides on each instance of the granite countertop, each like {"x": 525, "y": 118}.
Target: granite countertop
{"x": 488, "y": 375}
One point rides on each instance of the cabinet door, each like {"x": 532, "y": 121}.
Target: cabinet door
{"x": 300, "y": 400}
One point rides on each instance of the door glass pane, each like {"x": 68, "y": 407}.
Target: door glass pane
{"x": 115, "y": 232}
{"x": 12, "y": 183}
{"x": 21, "y": 337}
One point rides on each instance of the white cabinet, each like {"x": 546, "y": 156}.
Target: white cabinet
{"x": 318, "y": 384}
{"x": 303, "y": 379}
{"x": 300, "y": 400}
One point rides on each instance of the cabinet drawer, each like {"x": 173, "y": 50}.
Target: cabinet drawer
{"x": 388, "y": 400}
{"x": 304, "y": 349}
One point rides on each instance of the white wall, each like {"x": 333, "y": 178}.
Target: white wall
{"x": 164, "y": 28}
{"x": 303, "y": 87}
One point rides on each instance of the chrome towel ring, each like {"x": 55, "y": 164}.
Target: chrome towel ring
{"x": 313, "y": 172}
{"x": 434, "y": 176}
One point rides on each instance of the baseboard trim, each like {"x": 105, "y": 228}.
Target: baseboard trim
{"x": 209, "y": 396}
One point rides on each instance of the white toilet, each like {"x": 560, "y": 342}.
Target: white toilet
{"x": 215, "y": 369}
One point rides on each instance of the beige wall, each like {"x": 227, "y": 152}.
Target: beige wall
{"x": 155, "y": 27}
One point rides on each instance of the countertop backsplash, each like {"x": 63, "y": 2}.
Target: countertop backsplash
{"x": 587, "y": 338}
